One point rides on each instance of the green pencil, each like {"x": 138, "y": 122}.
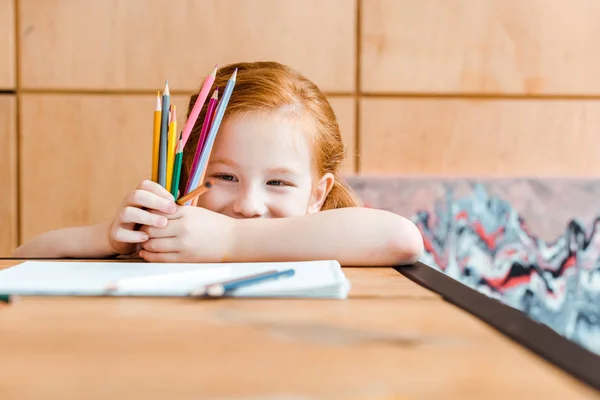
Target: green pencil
{"x": 5, "y": 298}
{"x": 177, "y": 167}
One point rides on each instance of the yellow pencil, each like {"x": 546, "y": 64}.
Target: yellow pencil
{"x": 171, "y": 146}
{"x": 156, "y": 142}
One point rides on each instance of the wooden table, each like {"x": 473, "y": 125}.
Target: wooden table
{"x": 392, "y": 339}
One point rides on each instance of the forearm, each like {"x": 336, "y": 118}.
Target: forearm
{"x": 353, "y": 236}
{"x": 77, "y": 242}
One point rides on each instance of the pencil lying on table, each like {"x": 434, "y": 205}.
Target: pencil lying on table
{"x": 222, "y": 288}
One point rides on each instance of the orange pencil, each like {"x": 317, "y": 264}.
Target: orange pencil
{"x": 194, "y": 194}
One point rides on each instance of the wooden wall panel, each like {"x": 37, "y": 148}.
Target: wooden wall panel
{"x": 345, "y": 111}
{"x": 7, "y": 45}
{"x": 482, "y": 46}
{"x": 8, "y": 177}
{"x": 81, "y": 154}
{"x": 480, "y": 138}
{"x": 137, "y": 44}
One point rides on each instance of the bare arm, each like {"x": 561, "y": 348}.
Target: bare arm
{"x": 78, "y": 242}
{"x": 353, "y": 236}
{"x": 108, "y": 238}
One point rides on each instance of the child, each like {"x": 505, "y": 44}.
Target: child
{"x": 277, "y": 194}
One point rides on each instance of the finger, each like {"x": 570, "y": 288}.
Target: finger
{"x": 176, "y": 215}
{"x": 168, "y": 231}
{"x": 159, "y": 257}
{"x": 134, "y": 215}
{"x": 123, "y": 235}
{"x": 162, "y": 245}
{"x": 155, "y": 188}
{"x": 181, "y": 210}
{"x": 145, "y": 199}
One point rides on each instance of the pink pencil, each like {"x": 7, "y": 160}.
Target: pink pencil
{"x": 210, "y": 113}
{"x": 189, "y": 124}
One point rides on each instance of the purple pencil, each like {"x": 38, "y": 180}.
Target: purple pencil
{"x": 210, "y": 113}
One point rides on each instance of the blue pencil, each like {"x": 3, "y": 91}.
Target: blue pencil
{"x": 164, "y": 131}
{"x": 222, "y": 288}
{"x": 214, "y": 128}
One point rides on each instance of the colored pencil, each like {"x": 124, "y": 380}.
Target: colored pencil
{"x": 145, "y": 281}
{"x": 189, "y": 124}
{"x": 214, "y": 128}
{"x": 195, "y": 193}
{"x": 222, "y": 288}
{"x": 156, "y": 141}
{"x": 171, "y": 145}
{"x": 162, "y": 159}
{"x": 208, "y": 118}
{"x": 8, "y": 298}
{"x": 177, "y": 167}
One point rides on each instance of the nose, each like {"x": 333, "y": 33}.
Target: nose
{"x": 249, "y": 204}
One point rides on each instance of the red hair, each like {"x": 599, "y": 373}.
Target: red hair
{"x": 263, "y": 87}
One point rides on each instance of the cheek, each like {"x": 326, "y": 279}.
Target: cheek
{"x": 292, "y": 204}
{"x": 214, "y": 200}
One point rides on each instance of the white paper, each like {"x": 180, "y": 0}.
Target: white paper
{"x": 311, "y": 278}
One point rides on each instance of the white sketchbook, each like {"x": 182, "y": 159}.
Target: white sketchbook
{"x": 312, "y": 279}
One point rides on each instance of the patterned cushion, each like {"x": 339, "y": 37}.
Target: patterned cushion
{"x": 530, "y": 243}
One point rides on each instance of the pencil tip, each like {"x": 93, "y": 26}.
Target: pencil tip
{"x": 213, "y": 74}
{"x": 234, "y": 75}
{"x": 215, "y": 94}
{"x": 180, "y": 143}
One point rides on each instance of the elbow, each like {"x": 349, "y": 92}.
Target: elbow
{"x": 17, "y": 253}
{"x": 407, "y": 245}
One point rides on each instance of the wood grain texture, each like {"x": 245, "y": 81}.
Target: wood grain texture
{"x": 345, "y": 112}
{"x": 480, "y": 137}
{"x": 361, "y": 348}
{"x": 137, "y": 44}
{"x": 81, "y": 154}
{"x": 8, "y": 177}
{"x": 7, "y": 45}
{"x": 484, "y": 46}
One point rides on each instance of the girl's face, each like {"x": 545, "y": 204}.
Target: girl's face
{"x": 262, "y": 167}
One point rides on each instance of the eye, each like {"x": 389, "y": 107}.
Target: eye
{"x": 225, "y": 177}
{"x": 278, "y": 182}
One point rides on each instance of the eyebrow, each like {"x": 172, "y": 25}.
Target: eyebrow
{"x": 283, "y": 170}
{"x": 225, "y": 161}
{"x": 231, "y": 163}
